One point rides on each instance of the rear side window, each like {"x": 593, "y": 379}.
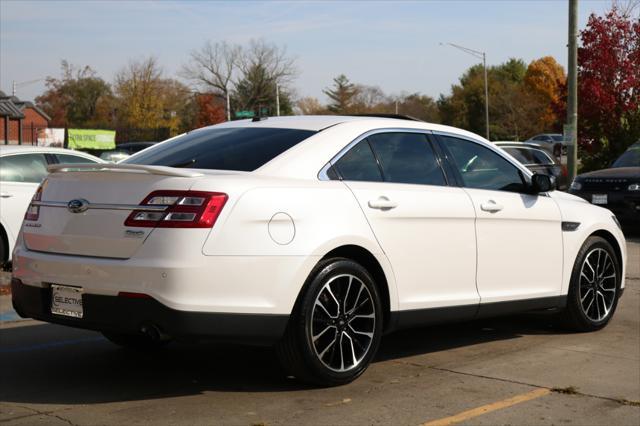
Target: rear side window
{"x": 359, "y": 164}
{"x": 72, "y": 159}
{"x": 23, "y": 168}
{"x": 407, "y": 158}
{"x": 240, "y": 148}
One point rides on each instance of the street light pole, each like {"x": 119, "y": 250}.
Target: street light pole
{"x": 483, "y": 56}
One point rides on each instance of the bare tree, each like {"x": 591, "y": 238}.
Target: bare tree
{"x": 213, "y": 67}
{"x": 627, "y": 8}
{"x": 278, "y": 66}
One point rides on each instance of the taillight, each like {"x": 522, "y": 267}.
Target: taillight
{"x": 183, "y": 209}
{"x": 33, "y": 212}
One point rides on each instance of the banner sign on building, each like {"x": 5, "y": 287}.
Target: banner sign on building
{"x": 91, "y": 139}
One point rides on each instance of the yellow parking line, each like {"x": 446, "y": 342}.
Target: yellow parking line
{"x": 498, "y": 405}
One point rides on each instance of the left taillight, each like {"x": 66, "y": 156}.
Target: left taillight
{"x": 182, "y": 209}
{"x": 33, "y": 212}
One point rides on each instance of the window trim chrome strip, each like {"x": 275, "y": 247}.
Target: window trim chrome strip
{"x": 103, "y": 206}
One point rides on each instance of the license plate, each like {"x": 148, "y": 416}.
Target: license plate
{"x": 66, "y": 301}
{"x": 599, "y": 198}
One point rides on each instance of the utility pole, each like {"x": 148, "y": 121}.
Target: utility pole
{"x": 277, "y": 100}
{"x": 228, "y": 108}
{"x": 571, "y": 128}
{"x": 486, "y": 93}
{"x": 15, "y": 85}
{"x": 483, "y": 56}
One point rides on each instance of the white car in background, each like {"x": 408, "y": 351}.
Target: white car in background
{"x": 316, "y": 234}
{"x": 22, "y": 168}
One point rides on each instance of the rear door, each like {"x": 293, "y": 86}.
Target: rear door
{"x": 424, "y": 226}
{"x": 519, "y": 235}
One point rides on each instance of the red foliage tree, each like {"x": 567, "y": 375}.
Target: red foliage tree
{"x": 210, "y": 110}
{"x": 608, "y": 87}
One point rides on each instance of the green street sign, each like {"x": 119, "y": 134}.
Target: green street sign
{"x": 244, "y": 114}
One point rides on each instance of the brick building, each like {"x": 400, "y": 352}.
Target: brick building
{"x": 20, "y": 121}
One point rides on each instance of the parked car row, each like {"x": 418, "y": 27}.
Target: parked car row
{"x": 314, "y": 234}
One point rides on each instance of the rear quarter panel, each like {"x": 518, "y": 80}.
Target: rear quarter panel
{"x": 314, "y": 216}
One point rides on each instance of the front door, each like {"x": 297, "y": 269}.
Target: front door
{"x": 519, "y": 235}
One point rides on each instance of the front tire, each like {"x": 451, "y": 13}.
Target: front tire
{"x": 594, "y": 288}
{"x": 335, "y": 328}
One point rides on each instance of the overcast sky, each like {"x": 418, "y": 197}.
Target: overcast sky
{"x": 394, "y": 45}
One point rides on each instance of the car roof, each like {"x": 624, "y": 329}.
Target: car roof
{"x": 20, "y": 149}
{"x": 321, "y": 122}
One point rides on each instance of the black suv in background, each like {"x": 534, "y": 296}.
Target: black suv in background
{"x": 616, "y": 188}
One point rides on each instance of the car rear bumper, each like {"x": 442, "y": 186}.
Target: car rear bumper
{"x": 133, "y": 315}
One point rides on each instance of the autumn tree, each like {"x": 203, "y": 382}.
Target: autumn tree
{"x": 79, "y": 98}
{"x": 419, "y": 106}
{"x": 517, "y": 110}
{"x": 546, "y": 79}
{"x": 309, "y": 106}
{"x": 341, "y": 95}
{"x": 608, "y": 87}
{"x": 210, "y": 110}
{"x": 146, "y": 100}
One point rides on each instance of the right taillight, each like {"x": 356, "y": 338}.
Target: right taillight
{"x": 33, "y": 212}
{"x": 182, "y": 209}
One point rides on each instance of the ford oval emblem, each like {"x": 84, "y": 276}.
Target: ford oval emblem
{"x": 78, "y": 205}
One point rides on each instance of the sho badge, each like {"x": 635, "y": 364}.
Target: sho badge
{"x": 133, "y": 234}
{"x": 79, "y": 205}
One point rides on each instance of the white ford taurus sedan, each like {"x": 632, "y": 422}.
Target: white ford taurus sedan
{"x": 316, "y": 234}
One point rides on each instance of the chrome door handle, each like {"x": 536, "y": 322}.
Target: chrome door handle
{"x": 382, "y": 203}
{"x": 491, "y": 206}
{"x": 5, "y": 195}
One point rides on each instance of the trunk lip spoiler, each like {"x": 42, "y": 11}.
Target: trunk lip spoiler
{"x": 155, "y": 170}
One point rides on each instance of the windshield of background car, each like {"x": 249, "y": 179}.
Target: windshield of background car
{"x": 557, "y": 138}
{"x": 630, "y": 158}
{"x": 237, "y": 148}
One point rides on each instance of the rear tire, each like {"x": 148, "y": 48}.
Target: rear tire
{"x": 594, "y": 287}
{"x": 335, "y": 328}
{"x": 138, "y": 342}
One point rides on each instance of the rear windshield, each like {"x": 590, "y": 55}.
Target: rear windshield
{"x": 557, "y": 138}
{"x": 529, "y": 156}
{"x": 630, "y": 158}
{"x": 239, "y": 148}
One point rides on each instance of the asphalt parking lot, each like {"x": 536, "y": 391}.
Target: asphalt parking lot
{"x": 512, "y": 370}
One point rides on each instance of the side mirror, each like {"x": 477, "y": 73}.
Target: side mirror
{"x": 542, "y": 183}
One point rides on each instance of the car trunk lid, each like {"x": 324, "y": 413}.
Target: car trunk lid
{"x": 83, "y": 208}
